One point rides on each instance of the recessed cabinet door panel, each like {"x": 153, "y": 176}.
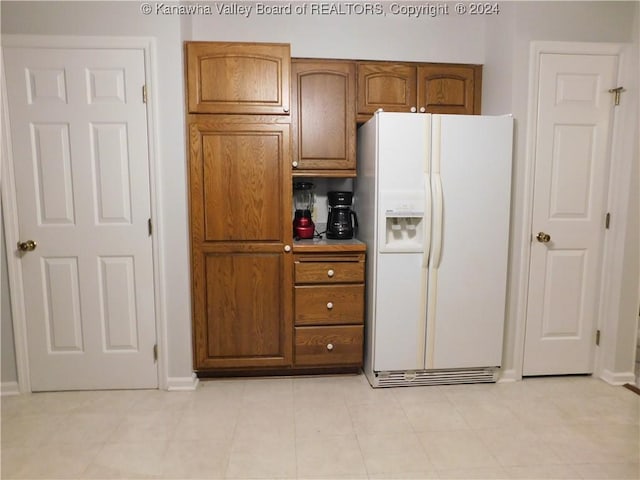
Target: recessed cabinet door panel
{"x": 447, "y": 89}
{"x": 236, "y": 182}
{"x": 391, "y": 87}
{"x": 246, "y": 323}
{"x": 243, "y": 78}
{"x": 324, "y": 115}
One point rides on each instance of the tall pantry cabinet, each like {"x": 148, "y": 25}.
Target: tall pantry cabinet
{"x": 240, "y": 204}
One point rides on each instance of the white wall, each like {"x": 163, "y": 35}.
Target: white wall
{"x": 125, "y": 19}
{"x": 500, "y": 42}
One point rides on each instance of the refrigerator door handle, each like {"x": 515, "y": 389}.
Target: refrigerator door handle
{"x": 438, "y": 212}
{"x": 427, "y": 222}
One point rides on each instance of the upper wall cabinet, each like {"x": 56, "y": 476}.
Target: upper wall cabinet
{"x": 323, "y": 118}
{"x": 450, "y": 88}
{"x": 411, "y": 87}
{"x": 244, "y": 78}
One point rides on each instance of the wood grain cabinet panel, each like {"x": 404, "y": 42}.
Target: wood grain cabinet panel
{"x": 418, "y": 87}
{"x": 329, "y": 272}
{"x": 323, "y": 346}
{"x": 240, "y": 206}
{"x": 449, "y": 89}
{"x": 323, "y": 116}
{"x": 389, "y": 86}
{"x": 329, "y": 304}
{"x": 244, "y": 78}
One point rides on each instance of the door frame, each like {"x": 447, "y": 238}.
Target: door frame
{"x": 621, "y": 137}
{"x": 9, "y": 199}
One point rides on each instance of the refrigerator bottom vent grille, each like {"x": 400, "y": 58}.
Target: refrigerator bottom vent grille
{"x": 434, "y": 377}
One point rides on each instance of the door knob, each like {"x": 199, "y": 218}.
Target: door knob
{"x": 543, "y": 237}
{"x": 28, "y": 246}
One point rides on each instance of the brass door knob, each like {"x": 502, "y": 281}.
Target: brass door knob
{"x": 543, "y": 237}
{"x": 28, "y": 246}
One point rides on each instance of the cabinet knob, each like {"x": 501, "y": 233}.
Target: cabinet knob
{"x": 414, "y": 109}
{"x": 294, "y": 164}
{"x": 285, "y": 109}
{"x": 287, "y": 248}
{"x": 422, "y": 109}
{"x": 330, "y": 273}
{"x": 329, "y": 346}
{"x": 329, "y": 305}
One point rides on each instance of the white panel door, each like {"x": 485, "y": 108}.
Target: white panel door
{"x": 79, "y": 143}
{"x": 571, "y": 174}
{"x": 471, "y": 176}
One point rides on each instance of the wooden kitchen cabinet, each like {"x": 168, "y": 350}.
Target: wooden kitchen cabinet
{"x": 453, "y": 89}
{"x": 329, "y": 309}
{"x": 323, "y": 117}
{"x": 240, "y": 212}
{"x": 418, "y": 87}
{"x": 238, "y": 78}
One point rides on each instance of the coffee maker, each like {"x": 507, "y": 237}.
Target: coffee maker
{"x": 303, "y": 199}
{"x": 342, "y": 221}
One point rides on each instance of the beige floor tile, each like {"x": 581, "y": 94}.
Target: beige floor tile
{"x": 267, "y": 391}
{"x": 320, "y": 391}
{"x": 13, "y": 460}
{"x": 60, "y": 461}
{"x": 30, "y": 430}
{"x": 328, "y": 456}
{"x": 328, "y": 419}
{"x": 420, "y": 395}
{"x": 542, "y": 472}
{"x": 86, "y": 428}
{"x": 371, "y": 419}
{"x": 434, "y": 416}
{"x": 609, "y": 471}
{"x": 571, "y": 445}
{"x": 212, "y": 425}
{"x": 517, "y": 446}
{"x": 262, "y": 455}
{"x": 202, "y": 459}
{"x": 482, "y": 473}
{"x": 487, "y": 413}
{"x": 128, "y": 460}
{"x": 145, "y": 427}
{"x": 457, "y": 450}
{"x": 110, "y": 401}
{"x": 267, "y": 417}
{"x": 395, "y": 454}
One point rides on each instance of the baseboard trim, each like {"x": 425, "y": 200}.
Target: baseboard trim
{"x": 182, "y": 384}
{"x": 9, "y": 388}
{"x": 619, "y": 378}
{"x": 509, "y": 376}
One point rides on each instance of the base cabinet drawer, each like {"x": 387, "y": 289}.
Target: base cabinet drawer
{"x": 329, "y": 304}
{"x": 329, "y": 272}
{"x": 334, "y": 345}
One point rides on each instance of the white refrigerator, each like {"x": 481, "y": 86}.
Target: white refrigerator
{"x": 433, "y": 198}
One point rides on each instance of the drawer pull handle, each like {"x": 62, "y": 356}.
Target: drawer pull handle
{"x": 330, "y": 305}
{"x": 329, "y": 346}
{"x": 330, "y": 273}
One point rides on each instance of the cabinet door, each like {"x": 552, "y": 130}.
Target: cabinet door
{"x": 245, "y": 317}
{"x": 389, "y": 86}
{"x": 240, "y": 212}
{"x": 323, "y": 115}
{"x": 449, "y": 89}
{"x": 248, "y": 78}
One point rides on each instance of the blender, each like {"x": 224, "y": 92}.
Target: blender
{"x": 303, "y": 199}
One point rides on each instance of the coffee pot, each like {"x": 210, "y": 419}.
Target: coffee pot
{"x": 342, "y": 222}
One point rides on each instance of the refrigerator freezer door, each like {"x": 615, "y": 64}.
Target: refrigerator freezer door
{"x": 467, "y": 277}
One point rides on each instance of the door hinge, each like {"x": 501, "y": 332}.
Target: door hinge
{"x": 155, "y": 352}
{"x": 150, "y": 226}
{"x": 144, "y": 94}
{"x": 607, "y": 221}
{"x": 597, "y": 338}
{"x": 616, "y": 94}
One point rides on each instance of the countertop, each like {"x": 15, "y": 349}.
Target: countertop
{"x": 321, "y": 245}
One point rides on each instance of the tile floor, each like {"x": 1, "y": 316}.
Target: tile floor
{"x": 330, "y": 428}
